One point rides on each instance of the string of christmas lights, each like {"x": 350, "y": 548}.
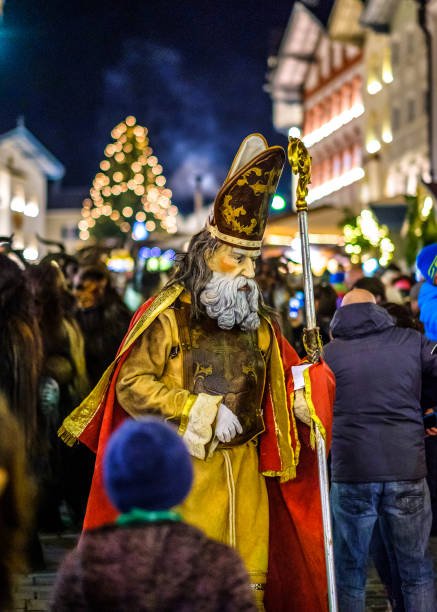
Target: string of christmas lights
{"x": 364, "y": 236}
{"x": 128, "y": 196}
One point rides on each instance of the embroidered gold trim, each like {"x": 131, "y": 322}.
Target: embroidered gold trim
{"x": 289, "y": 459}
{"x": 314, "y": 418}
{"x": 248, "y": 244}
{"x": 230, "y": 214}
{"x": 293, "y": 421}
{"x": 186, "y": 413}
{"x": 78, "y": 420}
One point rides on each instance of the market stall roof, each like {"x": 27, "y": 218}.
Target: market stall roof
{"x": 324, "y": 225}
{"x": 377, "y": 14}
{"x": 349, "y": 18}
{"x": 344, "y": 22}
{"x": 289, "y": 69}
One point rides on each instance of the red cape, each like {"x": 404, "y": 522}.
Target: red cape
{"x": 297, "y": 576}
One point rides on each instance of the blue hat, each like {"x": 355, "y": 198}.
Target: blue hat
{"x": 336, "y": 278}
{"x": 427, "y": 262}
{"x": 146, "y": 466}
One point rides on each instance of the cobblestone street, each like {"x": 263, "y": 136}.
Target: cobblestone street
{"x": 33, "y": 591}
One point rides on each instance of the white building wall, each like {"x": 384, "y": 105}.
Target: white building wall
{"x": 61, "y": 225}
{"x": 432, "y": 25}
{"x": 22, "y": 186}
{"x": 406, "y": 159}
{"x": 5, "y": 199}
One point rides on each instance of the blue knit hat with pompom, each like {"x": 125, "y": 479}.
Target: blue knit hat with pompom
{"x": 146, "y": 466}
{"x": 427, "y": 262}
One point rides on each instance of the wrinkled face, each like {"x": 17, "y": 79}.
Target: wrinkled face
{"x": 231, "y": 296}
{"x": 232, "y": 261}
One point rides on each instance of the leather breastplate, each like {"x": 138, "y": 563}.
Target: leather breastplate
{"x": 224, "y": 362}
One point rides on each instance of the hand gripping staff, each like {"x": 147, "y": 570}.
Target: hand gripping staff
{"x": 300, "y": 162}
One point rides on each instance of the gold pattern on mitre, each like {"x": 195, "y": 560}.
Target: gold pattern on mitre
{"x": 242, "y": 204}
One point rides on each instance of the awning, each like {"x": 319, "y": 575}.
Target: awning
{"x": 324, "y": 225}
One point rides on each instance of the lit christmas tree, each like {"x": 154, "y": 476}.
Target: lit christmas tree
{"x": 128, "y": 196}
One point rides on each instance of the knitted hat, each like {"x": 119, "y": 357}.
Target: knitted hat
{"x": 427, "y": 262}
{"x": 146, "y": 466}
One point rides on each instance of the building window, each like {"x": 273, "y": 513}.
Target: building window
{"x": 425, "y": 101}
{"x": 315, "y": 175}
{"x": 356, "y": 156}
{"x": 336, "y": 165}
{"x": 335, "y": 104}
{"x": 356, "y": 91}
{"x": 346, "y": 97}
{"x": 308, "y": 122}
{"x": 347, "y": 161}
{"x": 70, "y": 232}
{"x": 317, "y": 117}
{"x": 327, "y": 110}
{"x": 326, "y": 170}
{"x": 395, "y": 118}
{"x": 410, "y": 43}
{"x": 395, "y": 47}
{"x": 410, "y": 110}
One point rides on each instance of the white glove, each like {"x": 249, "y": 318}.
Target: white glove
{"x": 228, "y": 424}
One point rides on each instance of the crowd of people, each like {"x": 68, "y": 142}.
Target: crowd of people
{"x": 61, "y": 328}
{"x": 59, "y": 332}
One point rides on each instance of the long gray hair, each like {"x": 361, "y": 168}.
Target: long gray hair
{"x": 191, "y": 269}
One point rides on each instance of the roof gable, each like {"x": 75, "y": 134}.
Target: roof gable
{"x": 31, "y": 148}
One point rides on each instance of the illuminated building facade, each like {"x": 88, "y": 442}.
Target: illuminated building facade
{"x": 332, "y": 127}
{"x": 25, "y": 169}
{"x": 395, "y": 90}
{"x": 362, "y": 96}
{"x": 316, "y": 88}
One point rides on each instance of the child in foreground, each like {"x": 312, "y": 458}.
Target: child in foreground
{"x": 149, "y": 560}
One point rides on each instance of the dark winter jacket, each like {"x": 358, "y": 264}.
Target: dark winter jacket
{"x": 160, "y": 567}
{"x": 103, "y": 327}
{"x": 378, "y": 432}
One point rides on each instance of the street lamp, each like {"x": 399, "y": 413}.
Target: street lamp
{"x": 278, "y": 203}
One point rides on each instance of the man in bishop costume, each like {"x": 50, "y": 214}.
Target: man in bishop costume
{"x": 208, "y": 356}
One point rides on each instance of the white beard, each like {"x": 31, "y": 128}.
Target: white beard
{"x": 225, "y": 301}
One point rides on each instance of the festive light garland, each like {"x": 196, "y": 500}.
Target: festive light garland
{"x": 364, "y": 236}
{"x": 129, "y": 191}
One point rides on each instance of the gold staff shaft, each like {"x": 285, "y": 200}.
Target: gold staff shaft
{"x": 300, "y": 162}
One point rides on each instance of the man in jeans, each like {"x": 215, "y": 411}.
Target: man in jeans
{"x": 378, "y": 451}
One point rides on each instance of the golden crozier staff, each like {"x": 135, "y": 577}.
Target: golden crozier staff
{"x": 300, "y": 162}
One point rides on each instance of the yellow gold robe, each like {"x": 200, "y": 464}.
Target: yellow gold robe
{"x": 228, "y": 499}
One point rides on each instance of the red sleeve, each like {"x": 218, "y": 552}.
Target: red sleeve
{"x": 288, "y": 354}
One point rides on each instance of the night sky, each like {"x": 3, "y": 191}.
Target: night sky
{"x": 192, "y": 71}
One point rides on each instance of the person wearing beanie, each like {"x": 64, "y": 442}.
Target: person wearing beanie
{"x": 149, "y": 560}
{"x": 427, "y": 265}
